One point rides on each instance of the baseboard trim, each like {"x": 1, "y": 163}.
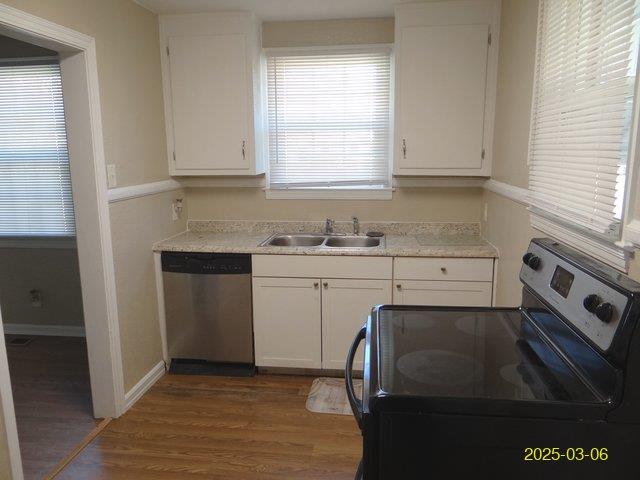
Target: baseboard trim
{"x": 44, "y": 330}
{"x": 145, "y": 383}
{"x": 142, "y": 190}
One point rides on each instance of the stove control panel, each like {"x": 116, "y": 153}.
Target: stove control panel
{"x": 590, "y": 305}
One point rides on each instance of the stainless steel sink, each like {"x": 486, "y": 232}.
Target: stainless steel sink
{"x": 353, "y": 242}
{"x": 322, "y": 241}
{"x": 296, "y": 240}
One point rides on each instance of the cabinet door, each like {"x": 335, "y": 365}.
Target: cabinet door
{"x": 209, "y": 102}
{"x": 442, "y": 83}
{"x": 286, "y": 322}
{"x": 437, "y": 293}
{"x": 346, "y": 305}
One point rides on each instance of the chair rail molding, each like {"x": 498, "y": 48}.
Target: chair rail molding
{"x": 517, "y": 194}
{"x": 614, "y": 255}
{"x": 142, "y": 190}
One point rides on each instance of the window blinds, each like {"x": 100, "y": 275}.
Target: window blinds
{"x": 582, "y": 111}
{"x": 328, "y": 118}
{"x": 35, "y": 183}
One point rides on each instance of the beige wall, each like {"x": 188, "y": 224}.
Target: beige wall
{"x": 12, "y": 48}
{"x": 327, "y": 32}
{"x": 136, "y": 226}
{"x": 507, "y": 226}
{"x": 53, "y": 271}
{"x": 515, "y": 86}
{"x": 408, "y": 204}
{"x": 130, "y": 80}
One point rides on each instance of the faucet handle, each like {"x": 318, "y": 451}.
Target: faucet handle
{"x": 328, "y": 226}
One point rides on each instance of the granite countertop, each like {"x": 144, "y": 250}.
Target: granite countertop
{"x": 402, "y": 240}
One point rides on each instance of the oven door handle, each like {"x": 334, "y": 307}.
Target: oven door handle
{"x": 356, "y": 405}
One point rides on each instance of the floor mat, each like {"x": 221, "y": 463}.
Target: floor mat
{"x": 329, "y": 395}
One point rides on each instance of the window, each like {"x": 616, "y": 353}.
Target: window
{"x": 582, "y": 113}
{"x": 35, "y": 182}
{"x": 328, "y": 119}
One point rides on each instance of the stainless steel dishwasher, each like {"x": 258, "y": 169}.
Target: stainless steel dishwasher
{"x": 208, "y": 313}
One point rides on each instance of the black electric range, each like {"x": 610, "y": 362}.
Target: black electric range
{"x": 549, "y": 388}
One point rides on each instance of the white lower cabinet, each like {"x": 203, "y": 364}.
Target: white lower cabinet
{"x": 308, "y": 309}
{"x": 438, "y": 293}
{"x": 456, "y": 282}
{"x": 346, "y": 305}
{"x": 287, "y": 322}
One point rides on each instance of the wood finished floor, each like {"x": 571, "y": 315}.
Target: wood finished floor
{"x": 52, "y": 398}
{"x": 196, "y": 427}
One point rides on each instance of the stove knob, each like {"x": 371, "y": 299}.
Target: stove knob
{"x": 534, "y": 262}
{"x": 526, "y": 257}
{"x": 604, "y": 312}
{"x": 591, "y": 302}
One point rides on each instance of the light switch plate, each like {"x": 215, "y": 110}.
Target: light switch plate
{"x": 112, "y": 179}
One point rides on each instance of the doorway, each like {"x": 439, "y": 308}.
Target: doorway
{"x": 40, "y": 288}
{"x": 78, "y": 67}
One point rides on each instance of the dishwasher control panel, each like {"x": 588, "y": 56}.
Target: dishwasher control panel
{"x": 206, "y": 263}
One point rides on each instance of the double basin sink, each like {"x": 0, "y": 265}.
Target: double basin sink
{"x": 322, "y": 241}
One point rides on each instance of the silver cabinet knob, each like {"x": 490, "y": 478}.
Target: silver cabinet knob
{"x": 325, "y": 284}
{"x": 399, "y": 286}
{"x": 316, "y": 284}
{"x": 443, "y": 269}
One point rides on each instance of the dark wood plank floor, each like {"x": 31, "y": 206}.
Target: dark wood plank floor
{"x": 52, "y": 397}
{"x": 196, "y": 427}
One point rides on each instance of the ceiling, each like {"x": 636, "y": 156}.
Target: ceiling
{"x": 271, "y": 10}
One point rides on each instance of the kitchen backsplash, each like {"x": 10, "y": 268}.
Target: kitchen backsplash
{"x": 389, "y": 228}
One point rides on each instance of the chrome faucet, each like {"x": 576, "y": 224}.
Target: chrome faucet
{"x": 328, "y": 226}
{"x": 356, "y": 225}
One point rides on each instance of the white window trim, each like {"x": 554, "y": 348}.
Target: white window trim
{"x": 631, "y": 214}
{"x": 331, "y": 193}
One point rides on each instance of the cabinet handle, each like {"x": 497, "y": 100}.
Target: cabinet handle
{"x": 404, "y": 148}
{"x": 443, "y": 269}
{"x": 243, "y": 152}
{"x": 399, "y": 286}
{"x": 325, "y": 284}
{"x": 316, "y": 284}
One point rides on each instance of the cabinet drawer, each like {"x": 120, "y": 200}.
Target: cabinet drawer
{"x": 308, "y": 266}
{"x": 448, "y": 269}
{"x": 452, "y": 294}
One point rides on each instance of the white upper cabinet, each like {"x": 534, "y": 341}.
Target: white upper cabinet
{"x": 446, "y": 62}
{"x": 211, "y": 66}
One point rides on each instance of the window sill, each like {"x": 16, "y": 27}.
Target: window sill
{"x": 328, "y": 193}
{"x": 612, "y": 254}
{"x": 66, "y": 243}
